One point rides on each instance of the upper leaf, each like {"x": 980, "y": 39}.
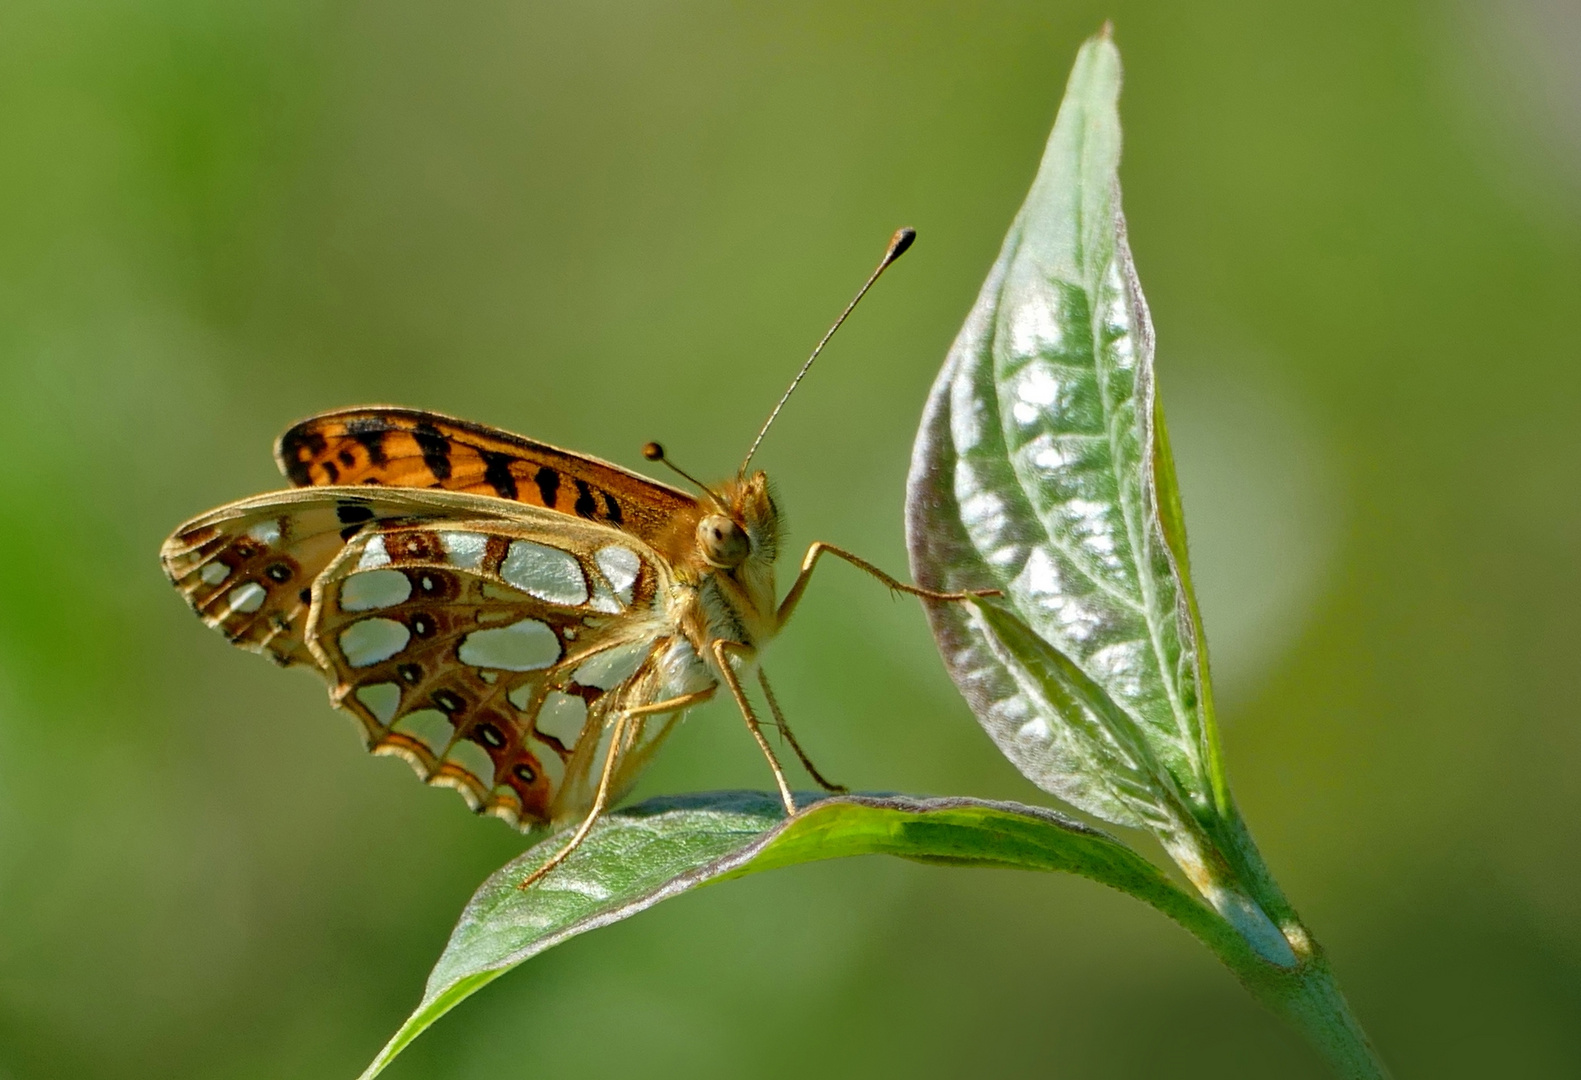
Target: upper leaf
{"x": 1039, "y": 470}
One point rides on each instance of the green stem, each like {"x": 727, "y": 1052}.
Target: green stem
{"x": 1307, "y": 995}
{"x": 1314, "y": 1005}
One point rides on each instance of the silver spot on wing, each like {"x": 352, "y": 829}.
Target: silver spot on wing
{"x": 526, "y": 645}
{"x": 373, "y": 554}
{"x": 620, "y": 566}
{"x": 372, "y": 640}
{"x": 374, "y": 589}
{"x": 247, "y": 598}
{"x": 545, "y": 572}
{"x": 464, "y": 549}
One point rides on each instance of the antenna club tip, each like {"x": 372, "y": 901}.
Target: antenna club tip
{"x": 898, "y": 243}
{"x": 653, "y": 451}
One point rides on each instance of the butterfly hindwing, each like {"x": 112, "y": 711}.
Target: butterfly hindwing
{"x": 391, "y": 446}
{"x": 493, "y": 655}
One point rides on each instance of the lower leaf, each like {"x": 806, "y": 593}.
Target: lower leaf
{"x": 647, "y": 853}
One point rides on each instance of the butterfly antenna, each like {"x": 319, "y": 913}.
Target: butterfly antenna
{"x": 654, "y": 452}
{"x": 897, "y": 247}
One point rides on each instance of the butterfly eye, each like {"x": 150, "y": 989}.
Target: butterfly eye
{"x": 723, "y": 542}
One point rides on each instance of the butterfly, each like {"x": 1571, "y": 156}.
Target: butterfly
{"x": 520, "y": 623}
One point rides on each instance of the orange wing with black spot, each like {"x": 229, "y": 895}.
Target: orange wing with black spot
{"x": 414, "y": 448}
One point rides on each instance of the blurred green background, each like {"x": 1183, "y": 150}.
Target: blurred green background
{"x": 1359, "y": 226}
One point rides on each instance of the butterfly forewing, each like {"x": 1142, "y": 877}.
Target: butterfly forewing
{"x": 414, "y": 448}
{"x": 493, "y": 655}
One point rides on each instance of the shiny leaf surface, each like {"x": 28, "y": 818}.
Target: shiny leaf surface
{"x": 639, "y": 856}
{"x": 1041, "y": 470}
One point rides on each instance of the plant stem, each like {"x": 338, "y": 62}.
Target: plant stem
{"x": 1307, "y": 995}
{"x": 1315, "y": 1006}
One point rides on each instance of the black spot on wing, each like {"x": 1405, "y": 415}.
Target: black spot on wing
{"x": 435, "y": 447}
{"x": 299, "y": 447}
{"x": 353, "y": 513}
{"x": 497, "y": 473}
{"x": 585, "y": 506}
{"x": 611, "y": 508}
{"x": 298, "y": 473}
{"x": 450, "y": 701}
{"x": 548, "y": 482}
{"x": 330, "y": 470}
{"x": 370, "y": 431}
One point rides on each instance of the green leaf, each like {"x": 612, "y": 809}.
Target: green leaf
{"x": 1034, "y": 473}
{"x": 639, "y": 856}
{"x": 1042, "y": 469}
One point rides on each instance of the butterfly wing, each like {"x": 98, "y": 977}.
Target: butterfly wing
{"x": 493, "y": 656}
{"x": 248, "y": 568}
{"x": 413, "y": 448}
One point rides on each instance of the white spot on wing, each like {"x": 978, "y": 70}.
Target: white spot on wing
{"x": 247, "y": 598}
{"x": 612, "y": 667}
{"x": 382, "y": 699}
{"x": 213, "y": 573}
{"x": 562, "y": 716}
{"x": 604, "y": 600}
{"x": 620, "y": 566}
{"x": 545, "y": 572}
{"x": 430, "y": 727}
{"x": 473, "y": 758}
{"x": 464, "y": 549}
{"x": 373, "y": 554}
{"x": 526, "y": 645}
{"x": 374, "y": 589}
{"x": 372, "y": 640}
{"x": 266, "y": 533}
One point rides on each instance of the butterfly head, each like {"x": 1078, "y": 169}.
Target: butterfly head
{"x": 743, "y": 530}
{"x": 741, "y": 523}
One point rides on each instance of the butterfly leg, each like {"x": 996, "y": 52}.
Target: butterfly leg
{"x": 601, "y": 797}
{"x": 810, "y": 561}
{"x": 779, "y": 718}
{"x": 722, "y": 650}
